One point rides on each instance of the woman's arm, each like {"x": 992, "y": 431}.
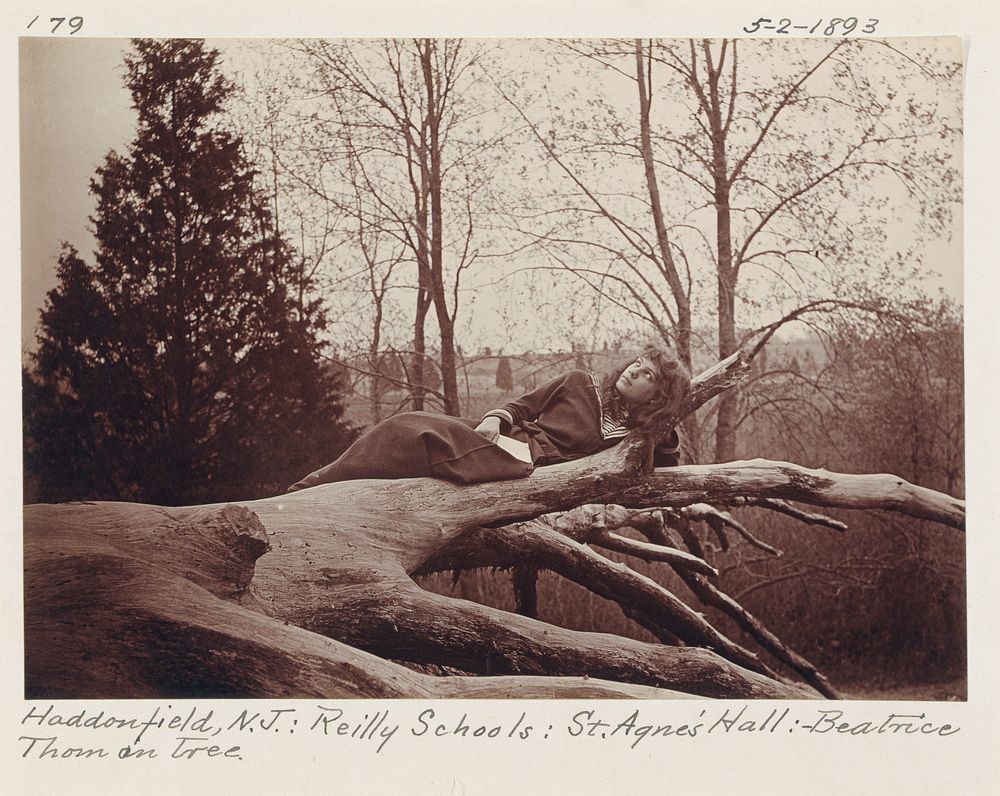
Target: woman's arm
{"x": 529, "y": 406}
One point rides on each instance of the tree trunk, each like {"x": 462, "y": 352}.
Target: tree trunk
{"x": 726, "y": 415}
{"x": 262, "y": 599}
{"x": 421, "y": 193}
{"x": 682, "y": 327}
{"x": 445, "y": 319}
{"x": 725, "y": 426}
{"x": 117, "y": 611}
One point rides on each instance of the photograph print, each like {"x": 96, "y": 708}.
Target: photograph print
{"x": 493, "y": 368}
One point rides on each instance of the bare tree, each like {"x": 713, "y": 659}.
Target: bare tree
{"x": 783, "y": 165}
{"x": 389, "y": 137}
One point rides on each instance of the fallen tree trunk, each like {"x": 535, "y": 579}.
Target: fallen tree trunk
{"x": 262, "y": 599}
{"x": 338, "y": 562}
{"x": 108, "y": 615}
{"x": 128, "y": 600}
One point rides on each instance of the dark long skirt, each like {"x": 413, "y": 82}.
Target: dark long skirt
{"x": 416, "y": 444}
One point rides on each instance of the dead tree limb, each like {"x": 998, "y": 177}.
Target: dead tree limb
{"x": 709, "y": 594}
{"x": 105, "y": 617}
{"x": 784, "y": 507}
{"x": 164, "y": 601}
{"x": 533, "y": 541}
{"x": 719, "y": 520}
{"x": 652, "y": 552}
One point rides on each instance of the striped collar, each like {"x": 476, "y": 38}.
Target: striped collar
{"x": 612, "y": 416}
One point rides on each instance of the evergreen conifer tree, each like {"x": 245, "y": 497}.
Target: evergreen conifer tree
{"x": 181, "y": 366}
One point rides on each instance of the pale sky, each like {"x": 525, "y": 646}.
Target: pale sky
{"x": 74, "y": 109}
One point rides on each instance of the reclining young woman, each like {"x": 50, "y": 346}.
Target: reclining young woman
{"x": 566, "y": 418}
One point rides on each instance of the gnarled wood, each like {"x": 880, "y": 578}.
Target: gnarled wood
{"x": 110, "y": 613}
{"x": 710, "y": 595}
{"x": 784, "y": 507}
{"x": 126, "y": 599}
{"x": 101, "y": 622}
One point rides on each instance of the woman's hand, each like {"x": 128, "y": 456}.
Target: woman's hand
{"x": 489, "y": 428}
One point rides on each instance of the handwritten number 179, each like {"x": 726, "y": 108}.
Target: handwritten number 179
{"x": 75, "y": 23}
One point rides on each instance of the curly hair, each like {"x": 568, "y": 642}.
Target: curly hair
{"x": 673, "y": 381}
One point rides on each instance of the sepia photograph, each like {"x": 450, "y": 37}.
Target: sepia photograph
{"x": 472, "y": 368}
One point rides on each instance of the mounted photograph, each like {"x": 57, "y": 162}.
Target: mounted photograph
{"x": 493, "y": 368}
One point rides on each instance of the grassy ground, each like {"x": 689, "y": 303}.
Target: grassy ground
{"x": 952, "y": 691}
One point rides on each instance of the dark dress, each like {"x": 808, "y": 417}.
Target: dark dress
{"x": 560, "y": 421}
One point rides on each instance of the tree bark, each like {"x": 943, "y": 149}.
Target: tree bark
{"x": 108, "y": 614}
{"x": 445, "y": 319}
{"x": 135, "y": 600}
{"x": 682, "y": 327}
{"x": 129, "y": 600}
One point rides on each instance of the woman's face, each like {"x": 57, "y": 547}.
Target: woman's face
{"x": 637, "y": 384}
